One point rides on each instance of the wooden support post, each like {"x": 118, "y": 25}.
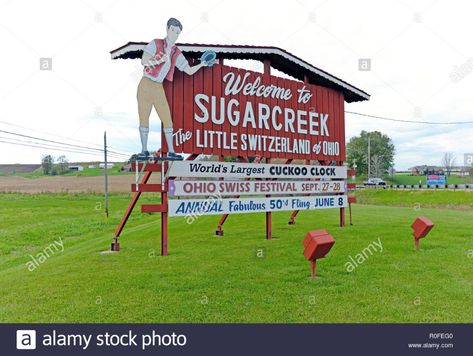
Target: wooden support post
{"x": 267, "y": 67}
{"x": 156, "y": 166}
{"x": 164, "y": 214}
{"x": 342, "y": 217}
{"x": 342, "y": 210}
{"x": 268, "y": 225}
{"x": 134, "y": 200}
{"x": 219, "y": 231}
{"x": 292, "y": 218}
{"x": 268, "y": 215}
{"x": 313, "y": 265}
{"x": 164, "y": 197}
{"x": 349, "y": 208}
{"x": 267, "y": 73}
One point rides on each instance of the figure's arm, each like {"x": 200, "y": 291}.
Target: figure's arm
{"x": 191, "y": 70}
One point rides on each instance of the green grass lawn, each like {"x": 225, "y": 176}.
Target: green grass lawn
{"x": 222, "y": 279}
{"x": 408, "y": 179}
{"x": 417, "y": 199}
{"x": 92, "y": 172}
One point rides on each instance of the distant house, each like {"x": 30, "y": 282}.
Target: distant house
{"x": 76, "y": 168}
{"x": 91, "y": 166}
{"x": 109, "y": 165}
{"x": 425, "y": 169}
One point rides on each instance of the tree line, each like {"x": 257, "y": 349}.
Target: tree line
{"x": 52, "y": 166}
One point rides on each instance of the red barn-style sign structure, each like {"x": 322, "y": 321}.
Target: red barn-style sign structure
{"x": 264, "y": 121}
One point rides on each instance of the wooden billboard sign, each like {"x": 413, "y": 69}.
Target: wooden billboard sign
{"x": 205, "y": 169}
{"x": 215, "y": 205}
{"x": 252, "y": 187}
{"x": 265, "y": 122}
{"x": 228, "y": 111}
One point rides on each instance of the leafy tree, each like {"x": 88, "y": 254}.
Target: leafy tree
{"x": 62, "y": 164}
{"x": 381, "y": 150}
{"x": 47, "y": 162}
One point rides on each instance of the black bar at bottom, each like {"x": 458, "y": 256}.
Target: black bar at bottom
{"x": 237, "y": 339}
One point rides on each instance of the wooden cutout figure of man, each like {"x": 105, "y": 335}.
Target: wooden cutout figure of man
{"x": 160, "y": 58}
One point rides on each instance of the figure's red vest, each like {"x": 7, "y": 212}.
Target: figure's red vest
{"x": 160, "y": 50}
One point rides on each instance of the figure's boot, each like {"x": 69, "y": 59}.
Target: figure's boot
{"x": 168, "y": 134}
{"x": 144, "y": 154}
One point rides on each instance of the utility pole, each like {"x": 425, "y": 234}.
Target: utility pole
{"x": 105, "y": 171}
{"x": 369, "y": 156}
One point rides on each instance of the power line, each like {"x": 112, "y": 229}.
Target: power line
{"x": 62, "y": 143}
{"x": 49, "y": 147}
{"x": 43, "y": 145}
{"x": 54, "y": 135}
{"x": 413, "y": 121}
{"x": 54, "y": 149}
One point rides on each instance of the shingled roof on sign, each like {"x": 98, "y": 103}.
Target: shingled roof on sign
{"x": 279, "y": 58}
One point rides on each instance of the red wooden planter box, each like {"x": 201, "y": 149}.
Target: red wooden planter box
{"x": 319, "y": 244}
{"x": 311, "y": 235}
{"x": 422, "y": 227}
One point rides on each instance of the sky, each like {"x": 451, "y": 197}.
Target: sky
{"x": 421, "y": 57}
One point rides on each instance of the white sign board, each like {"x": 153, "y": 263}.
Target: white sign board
{"x": 215, "y": 205}
{"x": 252, "y": 187}
{"x": 251, "y": 170}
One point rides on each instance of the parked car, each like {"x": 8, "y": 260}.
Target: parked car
{"x": 374, "y": 182}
